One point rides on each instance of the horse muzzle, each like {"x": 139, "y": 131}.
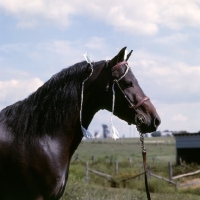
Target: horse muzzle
{"x": 143, "y": 126}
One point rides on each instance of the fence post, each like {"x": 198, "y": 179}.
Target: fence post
{"x": 124, "y": 184}
{"x": 77, "y": 157}
{"x": 86, "y": 173}
{"x": 180, "y": 160}
{"x": 130, "y": 161}
{"x": 116, "y": 168}
{"x": 170, "y": 170}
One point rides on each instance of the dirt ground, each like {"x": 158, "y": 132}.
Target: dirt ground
{"x": 193, "y": 183}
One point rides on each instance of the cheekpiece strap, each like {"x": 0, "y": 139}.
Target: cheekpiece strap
{"x": 115, "y": 133}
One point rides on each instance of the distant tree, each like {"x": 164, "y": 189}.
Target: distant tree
{"x": 96, "y": 133}
{"x": 105, "y": 130}
{"x": 156, "y": 134}
{"x": 183, "y": 132}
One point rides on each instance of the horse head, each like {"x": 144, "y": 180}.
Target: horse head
{"x": 131, "y": 104}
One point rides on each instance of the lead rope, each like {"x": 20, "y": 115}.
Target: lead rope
{"x": 144, "y": 165}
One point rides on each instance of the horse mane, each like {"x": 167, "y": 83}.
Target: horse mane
{"x": 45, "y": 110}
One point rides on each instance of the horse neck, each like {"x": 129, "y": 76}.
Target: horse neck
{"x": 94, "y": 94}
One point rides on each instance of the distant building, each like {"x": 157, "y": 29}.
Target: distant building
{"x": 165, "y": 133}
{"x": 187, "y": 147}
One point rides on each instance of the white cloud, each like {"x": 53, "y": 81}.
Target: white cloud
{"x": 15, "y": 90}
{"x": 8, "y": 74}
{"x": 31, "y": 13}
{"x": 179, "y": 117}
{"x": 163, "y": 79}
{"x": 7, "y": 48}
{"x": 134, "y": 17}
{"x": 131, "y": 16}
{"x": 178, "y": 76}
{"x": 177, "y": 14}
{"x": 166, "y": 80}
{"x": 96, "y": 43}
{"x": 53, "y": 55}
{"x": 172, "y": 39}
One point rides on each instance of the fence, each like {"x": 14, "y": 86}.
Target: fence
{"x": 187, "y": 174}
{"x": 115, "y": 182}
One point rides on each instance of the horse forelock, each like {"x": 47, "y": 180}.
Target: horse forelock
{"x": 45, "y": 110}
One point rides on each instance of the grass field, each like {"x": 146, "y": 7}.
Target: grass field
{"x": 160, "y": 151}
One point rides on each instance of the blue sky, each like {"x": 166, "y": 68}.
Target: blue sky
{"x": 39, "y": 38}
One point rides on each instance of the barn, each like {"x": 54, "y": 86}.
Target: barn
{"x": 187, "y": 147}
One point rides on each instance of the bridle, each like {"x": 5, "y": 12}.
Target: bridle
{"x": 116, "y": 81}
{"x": 131, "y": 105}
{"x": 139, "y": 118}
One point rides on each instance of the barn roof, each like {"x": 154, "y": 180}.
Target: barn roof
{"x": 187, "y": 140}
{"x": 186, "y": 134}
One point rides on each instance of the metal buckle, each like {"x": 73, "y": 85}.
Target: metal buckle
{"x": 140, "y": 119}
{"x": 130, "y": 105}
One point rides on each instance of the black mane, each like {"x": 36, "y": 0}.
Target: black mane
{"x": 45, "y": 110}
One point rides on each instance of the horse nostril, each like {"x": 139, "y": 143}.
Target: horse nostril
{"x": 157, "y": 122}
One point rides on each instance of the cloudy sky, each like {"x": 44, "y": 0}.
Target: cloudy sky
{"x": 39, "y": 38}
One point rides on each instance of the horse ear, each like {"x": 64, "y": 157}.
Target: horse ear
{"x": 129, "y": 55}
{"x": 118, "y": 58}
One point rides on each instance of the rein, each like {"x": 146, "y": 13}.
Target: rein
{"x": 139, "y": 119}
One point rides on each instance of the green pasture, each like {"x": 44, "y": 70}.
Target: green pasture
{"x": 107, "y": 152}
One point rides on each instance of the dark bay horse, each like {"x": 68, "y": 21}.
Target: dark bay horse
{"x": 39, "y": 134}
